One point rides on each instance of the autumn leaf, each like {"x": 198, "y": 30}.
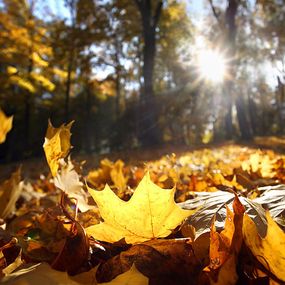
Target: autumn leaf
{"x": 269, "y": 251}
{"x": 130, "y": 277}
{"x": 163, "y": 261}
{"x": 10, "y": 191}
{"x": 150, "y": 213}
{"x": 68, "y": 180}
{"x": 225, "y": 246}
{"x": 5, "y": 125}
{"x": 57, "y": 145}
{"x": 42, "y": 273}
{"x": 111, "y": 173}
{"x": 272, "y": 198}
{"x": 210, "y": 204}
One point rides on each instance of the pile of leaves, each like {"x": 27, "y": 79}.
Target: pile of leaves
{"x": 211, "y": 216}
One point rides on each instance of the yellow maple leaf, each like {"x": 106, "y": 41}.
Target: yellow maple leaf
{"x": 5, "y": 125}
{"x": 57, "y": 145}
{"x": 130, "y": 277}
{"x": 270, "y": 251}
{"x": 150, "y": 213}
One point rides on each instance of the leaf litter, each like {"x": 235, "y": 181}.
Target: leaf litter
{"x": 209, "y": 216}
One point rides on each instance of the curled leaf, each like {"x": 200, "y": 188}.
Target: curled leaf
{"x": 270, "y": 251}
{"x": 10, "y": 191}
{"x": 57, "y": 145}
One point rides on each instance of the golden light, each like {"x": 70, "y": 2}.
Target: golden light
{"x": 211, "y": 65}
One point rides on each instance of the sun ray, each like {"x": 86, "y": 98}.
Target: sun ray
{"x": 211, "y": 65}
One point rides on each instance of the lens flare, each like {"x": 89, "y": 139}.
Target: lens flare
{"x": 211, "y": 65}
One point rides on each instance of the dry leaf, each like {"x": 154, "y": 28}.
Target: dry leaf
{"x": 67, "y": 180}
{"x": 10, "y": 191}
{"x": 43, "y": 274}
{"x": 130, "y": 277}
{"x": 164, "y": 262}
{"x": 57, "y": 145}
{"x": 270, "y": 251}
{"x": 150, "y": 213}
{"x": 109, "y": 173}
{"x": 5, "y": 125}
{"x": 14, "y": 265}
{"x": 225, "y": 246}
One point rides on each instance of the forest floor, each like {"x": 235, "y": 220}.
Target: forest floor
{"x": 32, "y": 168}
{"x": 231, "y": 194}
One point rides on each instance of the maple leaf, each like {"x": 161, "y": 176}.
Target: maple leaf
{"x": 130, "y": 277}
{"x": 150, "y": 213}
{"x": 269, "y": 251}
{"x": 5, "y": 125}
{"x": 57, "y": 145}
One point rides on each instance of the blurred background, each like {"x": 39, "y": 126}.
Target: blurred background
{"x": 141, "y": 73}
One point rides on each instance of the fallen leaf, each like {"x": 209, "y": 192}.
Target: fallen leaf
{"x": 227, "y": 274}
{"x": 164, "y": 262}
{"x": 68, "y": 180}
{"x": 5, "y": 125}
{"x": 14, "y": 265}
{"x": 130, "y": 277}
{"x": 225, "y": 247}
{"x": 109, "y": 173}
{"x": 74, "y": 252}
{"x": 269, "y": 251}
{"x": 57, "y": 145}
{"x": 150, "y": 213}
{"x": 10, "y": 191}
{"x": 272, "y": 198}
{"x": 210, "y": 204}
{"x": 43, "y": 274}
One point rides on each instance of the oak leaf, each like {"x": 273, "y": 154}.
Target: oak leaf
{"x": 5, "y": 125}
{"x": 269, "y": 251}
{"x": 150, "y": 213}
{"x": 57, "y": 145}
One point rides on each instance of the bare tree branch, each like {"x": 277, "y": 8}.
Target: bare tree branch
{"x": 215, "y": 13}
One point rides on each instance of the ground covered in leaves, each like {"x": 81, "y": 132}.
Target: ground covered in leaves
{"x": 207, "y": 216}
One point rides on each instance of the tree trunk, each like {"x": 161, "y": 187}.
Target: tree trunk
{"x": 88, "y": 108}
{"x": 244, "y": 126}
{"x": 149, "y": 132}
{"x": 68, "y": 86}
{"x": 280, "y": 104}
{"x": 27, "y": 119}
{"x": 118, "y": 79}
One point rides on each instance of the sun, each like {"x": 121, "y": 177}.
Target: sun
{"x": 211, "y": 65}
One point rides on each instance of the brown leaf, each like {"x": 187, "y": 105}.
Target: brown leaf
{"x": 162, "y": 261}
{"x": 74, "y": 253}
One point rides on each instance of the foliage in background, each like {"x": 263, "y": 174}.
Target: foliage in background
{"x": 88, "y": 66}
